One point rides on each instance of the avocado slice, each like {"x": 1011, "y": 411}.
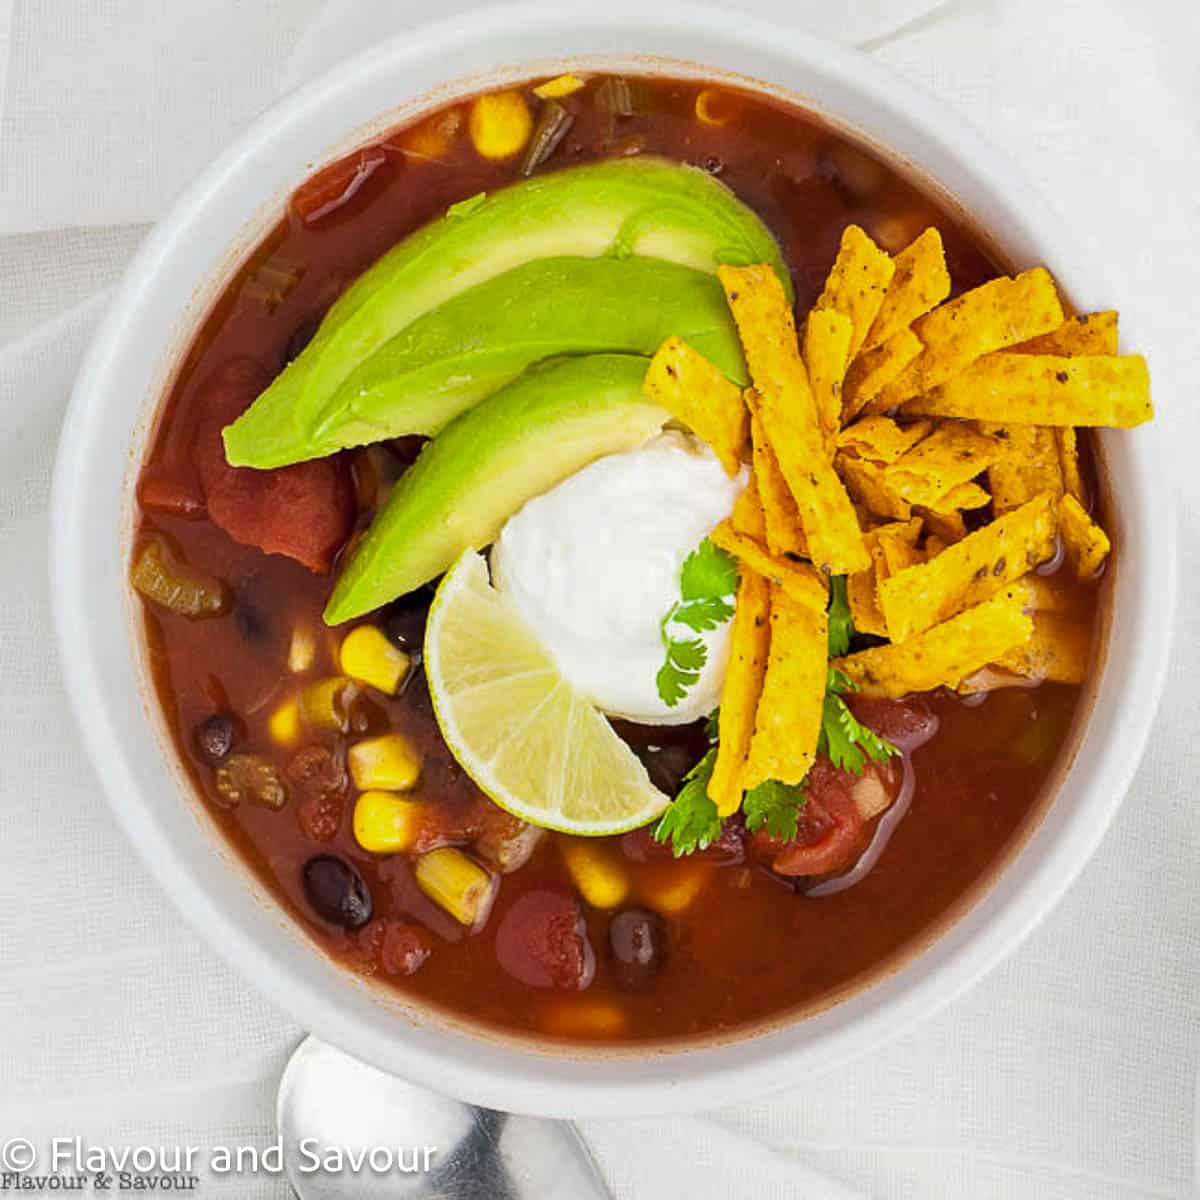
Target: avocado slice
{"x": 520, "y": 441}
{"x": 620, "y": 207}
{"x": 449, "y": 359}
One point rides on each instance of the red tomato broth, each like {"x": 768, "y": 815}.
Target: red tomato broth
{"x": 749, "y": 948}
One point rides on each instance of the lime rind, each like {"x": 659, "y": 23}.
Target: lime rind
{"x": 530, "y": 742}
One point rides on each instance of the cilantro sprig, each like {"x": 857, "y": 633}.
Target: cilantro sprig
{"x": 692, "y": 822}
{"x": 707, "y": 583}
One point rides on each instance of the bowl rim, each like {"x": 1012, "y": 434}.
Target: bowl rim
{"x": 470, "y": 1067}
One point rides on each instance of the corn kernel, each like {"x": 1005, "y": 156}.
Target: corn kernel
{"x": 388, "y": 763}
{"x": 717, "y": 108}
{"x": 384, "y": 823}
{"x": 283, "y": 725}
{"x": 558, "y": 87}
{"x": 368, "y": 656}
{"x": 326, "y": 703}
{"x": 583, "y": 1019}
{"x": 669, "y": 888}
{"x": 302, "y": 650}
{"x": 458, "y": 884}
{"x": 596, "y": 871}
{"x": 500, "y": 124}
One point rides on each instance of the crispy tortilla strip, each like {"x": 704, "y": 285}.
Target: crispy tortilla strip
{"x": 893, "y": 547}
{"x": 747, "y": 516}
{"x": 788, "y": 416}
{"x": 788, "y": 719}
{"x": 826, "y": 353}
{"x": 962, "y": 498}
{"x": 873, "y": 370}
{"x": 749, "y": 639}
{"x": 799, "y": 580}
{"x": 946, "y": 528}
{"x": 971, "y": 570}
{"x": 946, "y": 654}
{"x": 881, "y": 439}
{"x": 1090, "y": 333}
{"x": 921, "y": 282}
{"x": 1068, "y": 461}
{"x": 866, "y": 483}
{"x": 1044, "y": 389}
{"x": 864, "y": 601}
{"x": 1058, "y": 650}
{"x": 1027, "y": 465}
{"x": 1085, "y": 543}
{"x": 997, "y": 314}
{"x": 950, "y": 456}
{"x": 857, "y": 283}
{"x": 1051, "y": 593}
{"x": 784, "y": 534}
{"x": 697, "y": 394}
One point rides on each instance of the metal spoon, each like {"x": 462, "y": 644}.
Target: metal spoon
{"x": 331, "y": 1101}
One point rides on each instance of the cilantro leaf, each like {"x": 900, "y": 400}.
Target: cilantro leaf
{"x": 703, "y": 614}
{"x": 707, "y": 581}
{"x": 841, "y": 626}
{"x": 846, "y": 740}
{"x": 692, "y": 822}
{"x": 708, "y": 573}
{"x": 775, "y": 807}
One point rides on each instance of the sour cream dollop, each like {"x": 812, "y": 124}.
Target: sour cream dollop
{"x": 593, "y": 565}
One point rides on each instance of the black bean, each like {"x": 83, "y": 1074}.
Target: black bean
{"x": 252, "y": 625}
{"x": 404, "y": 622}
{"x": 337, "y": 891}
{"x": 667, "y": 765}
{"x": 637, "y": 939}
{"x": 215, "y": 736}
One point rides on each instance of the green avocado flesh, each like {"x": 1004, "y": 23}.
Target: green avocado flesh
{"x": 449, "y": 359}
{"x": 512, "y": 446}
{"x": 621, "y": 208}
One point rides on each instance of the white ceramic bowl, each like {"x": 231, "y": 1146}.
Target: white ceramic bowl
{"x": 185, "y": 263}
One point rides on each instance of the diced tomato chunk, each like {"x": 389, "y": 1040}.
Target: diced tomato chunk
{"x": 542, "y": 941}
{"x": 304, "y": 511}
{"x": 334, "y": 187}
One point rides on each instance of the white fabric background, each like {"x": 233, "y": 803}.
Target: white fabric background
{"x": 1071, "y": 1071}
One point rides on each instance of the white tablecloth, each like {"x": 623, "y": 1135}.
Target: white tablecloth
{"x": 1071, "y": 1071}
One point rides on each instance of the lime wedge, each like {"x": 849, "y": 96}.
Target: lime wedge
{"x": 534, "y": 745}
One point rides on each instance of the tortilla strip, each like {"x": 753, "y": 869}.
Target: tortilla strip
{"x": 747, "y": 516}
{"x": 788, "y": 415}
{"x": 969, "y": 571}
{"x": 866, "y": 482}
{"x": 697, "y": 394}
{"x": 990, "y": 317}
{"x": 1044, "y": 389}
{"x": 921, "y": 282}
{"x": 784, "y": 534}
{"x": 873, "y": 370}
{"x": 1085, "y": 543}
{"x": 946, "y": 528}
{"x": 749, "y": 639}
{"x": 788, "y": 720}
{"x": 1028, "y": 464}
{"x": 799, "y": 580}
{"x": 952, "y": 455}
{"x": 826, "y": 352}
{"x": 1058, "y": 651}
{"x": 857, "y": 283}
{"x": 881, "y": 439}
{"x": 1068, "y": 461}
{"x": 944, "y": 655}
{"x": 893, "y": 547}
{"x": 1090, "y": 333}
{"x": 963, "y": 496}
{"x": 1050, "y": 593}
